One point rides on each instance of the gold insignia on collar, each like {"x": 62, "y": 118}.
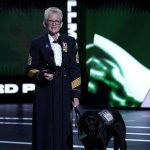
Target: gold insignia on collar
{"x": 64, "y": 47}
{"x": 29, "y": 59}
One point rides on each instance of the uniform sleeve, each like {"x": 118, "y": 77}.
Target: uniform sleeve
{"x": 75, "y": 71}
{"x": 33, "y": 68}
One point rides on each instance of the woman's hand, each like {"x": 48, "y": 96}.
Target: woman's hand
{"x": 75, "y": 102}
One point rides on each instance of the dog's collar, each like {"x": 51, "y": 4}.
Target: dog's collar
{"x": 107, "y": 116}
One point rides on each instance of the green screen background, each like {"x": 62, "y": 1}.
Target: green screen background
{"x": 128, "y": 28}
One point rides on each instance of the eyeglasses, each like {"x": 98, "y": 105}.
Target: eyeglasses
{"x": 56, "y": 22}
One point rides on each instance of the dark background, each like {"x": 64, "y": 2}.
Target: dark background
{"x": 21, "y": 20}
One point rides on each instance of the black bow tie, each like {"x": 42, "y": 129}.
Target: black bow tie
{"x": 55, "y": 41}
{"x": 59, "y": 41}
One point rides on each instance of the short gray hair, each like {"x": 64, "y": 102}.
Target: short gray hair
{"x": 51, "y": 10}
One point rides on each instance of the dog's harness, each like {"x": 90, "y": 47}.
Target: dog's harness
{"x": 107, "y": 116}
{"x": 108, "y": 119}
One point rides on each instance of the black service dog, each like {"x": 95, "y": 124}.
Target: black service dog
{"x": 95, "y": 129}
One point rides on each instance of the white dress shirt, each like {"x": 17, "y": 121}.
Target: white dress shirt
{"x": 57, "y": 50}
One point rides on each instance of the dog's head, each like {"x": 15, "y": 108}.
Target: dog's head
{"x": 90, "y": 124}
{"x": 95, "y": 129}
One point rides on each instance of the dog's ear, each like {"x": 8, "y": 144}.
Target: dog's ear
{"x": 84, "y": 122}
{"x": 82, "y": 128}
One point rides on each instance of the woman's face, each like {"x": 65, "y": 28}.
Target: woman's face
{"x": 54, "y": 23}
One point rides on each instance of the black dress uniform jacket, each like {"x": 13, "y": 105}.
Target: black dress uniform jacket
{"x": 52, "y": 101}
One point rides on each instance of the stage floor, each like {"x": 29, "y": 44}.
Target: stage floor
{"x": 16, "y": 128}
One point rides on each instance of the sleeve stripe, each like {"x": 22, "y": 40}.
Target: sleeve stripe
{"x": 32, "y": 72}
{"x": 75, "y": 83}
